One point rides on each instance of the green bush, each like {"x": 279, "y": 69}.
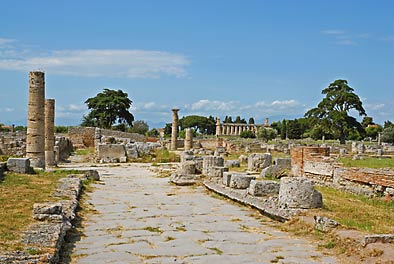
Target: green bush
{"x": 388, "y": 134}
{"x": 247, "y": 134}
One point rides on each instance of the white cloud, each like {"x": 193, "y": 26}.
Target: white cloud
{"x": 7, "y": 109}
{"x": 207, "y": 105}
{"x": 333, "y": 32}
{"x": 374, "y": 106}
{"x": 5, "y": 43}
{"x": 72, "y": 107}
{"x": 127, "y": 63}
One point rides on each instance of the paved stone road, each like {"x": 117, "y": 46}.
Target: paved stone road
{"x": 142, "y": 219}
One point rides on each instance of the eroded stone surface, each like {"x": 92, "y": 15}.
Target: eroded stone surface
{"x": 140, "y": 218}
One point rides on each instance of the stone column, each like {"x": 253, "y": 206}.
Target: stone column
{"x": 266, "y": 124}
{"x": 174, "y": 132}
{"x": 218, "y": 129}
{"x": 236, "y": 130}
{"x": 49, "y": 132}
{"x": 188, "y": 139}
{"x": 379, "y": 139}
{"x": 232, "y": 129}
{"x": 35, "y": 139}
{"x": 227, "y": 130}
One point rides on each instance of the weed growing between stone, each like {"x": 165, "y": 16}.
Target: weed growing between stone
{"x": 18, "y": 193}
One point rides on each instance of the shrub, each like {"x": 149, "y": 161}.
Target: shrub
{"x": 247, "y": 134}
{"x": 388, "y": 134}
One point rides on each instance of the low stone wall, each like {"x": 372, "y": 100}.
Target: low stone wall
{"x": 315, "y": 163}
{"x": 82, "y": 137}
{"x": 13, "y": 143}
{"x": 46, "y": 235}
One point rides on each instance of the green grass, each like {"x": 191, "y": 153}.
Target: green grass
{"x": 163, "y": 156}
{"x": 372, "y": 215}
{"x": 153, "y": 229}
{"x": 83, "y": 152}
{"x": 368, "y": 162}
{"x": 18, "y": 193}
{"x": 217, "y": 251}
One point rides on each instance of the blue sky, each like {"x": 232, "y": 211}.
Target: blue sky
{"x": 249, "y": 58}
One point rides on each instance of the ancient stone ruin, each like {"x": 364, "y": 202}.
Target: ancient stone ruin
{"x": 35, "y": 141}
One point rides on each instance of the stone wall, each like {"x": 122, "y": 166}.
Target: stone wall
{"x": 82, "y": 137}
{"x": 316, "y": 164}
{"x": 85, "y": 137}
{"x": 13, "y": 143}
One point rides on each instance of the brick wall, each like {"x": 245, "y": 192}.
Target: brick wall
{"x": 316, "y": 164}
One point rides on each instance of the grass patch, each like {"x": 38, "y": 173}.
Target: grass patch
{"x": 180, "y": 229}
{"x": 368, "y": 162}
{"x": 217, "y": 251}
{"x": 153, "y": 229}
{"x": 84, "y": 152}
{"x": 164, "y": 156}
{"x": 169, "y": 238}
{"x": 372, "y": 215}
{"x": 18, "y": 193}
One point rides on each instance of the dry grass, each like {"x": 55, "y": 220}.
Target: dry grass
{"x": 372, "y": 215}
{"x": 18, "y": 193}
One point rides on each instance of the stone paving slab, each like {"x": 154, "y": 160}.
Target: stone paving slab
{"x": 141, "y": 218}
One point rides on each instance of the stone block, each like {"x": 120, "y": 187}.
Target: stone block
{"x": 243, "y": 158}
{"x": 131, "y": 150}
{"x": 48, "y": 211}
{"x": 240, "y": 181}
{"x": 378, "y": 238}
{"x": 184, "y": 180}
{"x": 226, "y": 179}
{"x": 216, "y": 172}
{"x": 188, "y": 167}
{"x": 19, "y": 165}
{"x": 284, "y": 163}
{"x": 257, "y": 161}
{"x": 324, "y": 224}
{"x": 263, "y": 188}
{"x": 211, "y": 161}
{"x": 298, "y": 192}
{"x": 92, "y": 175}
{"x": 232, "y": 163}
{"x": 111, "y": 152}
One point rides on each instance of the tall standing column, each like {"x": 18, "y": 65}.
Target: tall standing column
{"x": 49, "y": 132}
{"x": 188, "y": 139}
{"x": 218, "y": 128}
{"x": 35, "y": 139}
{"x": 174, "y": 132}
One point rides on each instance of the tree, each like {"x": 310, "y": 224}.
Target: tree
{"x": 388, "y": 134}
{"x": 283, "y": 131}
{"x": 294, "y": 129}
{"x": 140, "y": 127}
{"x": 373, "y": 131}
{"x": 201, "y": 124}
{"x": 168, "y": 129}
{"x": 332, "y": 112}
{"x": 266, "y": 133}
{"x": 153, "y": 133}
{"x": 107, "y": 108}
{"x": 367, "y": 120}
{"x": 228, "y": 120}
{"x": 251, "y": 121}
{"x": 387, "y": 124}
{"x": 247, "y": 134}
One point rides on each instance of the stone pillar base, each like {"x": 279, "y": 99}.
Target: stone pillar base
{"x": 49, "y": 158}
